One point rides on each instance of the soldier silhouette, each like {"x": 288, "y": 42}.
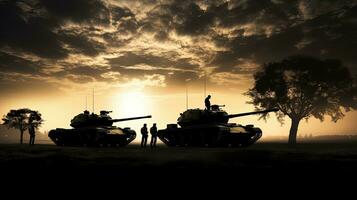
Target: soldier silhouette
{"x": 144, "y": 134}
{"x": 208, "y": 103}
{"x": 31, "y": 130}
{"x": 153, "y": 132}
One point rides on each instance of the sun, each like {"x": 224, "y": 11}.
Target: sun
{"x": 133, "y": 104}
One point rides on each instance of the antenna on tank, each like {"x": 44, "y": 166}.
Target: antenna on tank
{"x": 187, "y": 81}
{"x": 93, "y": 100}
{"x": 204, "y": 85}
{"x": 86, "y": 103}
{"x": 186, "y": 96}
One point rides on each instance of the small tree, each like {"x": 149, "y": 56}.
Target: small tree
{"x": 303, "y": 87}
{"x": 20, "y": 119}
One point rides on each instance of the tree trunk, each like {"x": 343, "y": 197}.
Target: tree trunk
{"x": 293, "y": 130}
{"x": 21, "y": 136}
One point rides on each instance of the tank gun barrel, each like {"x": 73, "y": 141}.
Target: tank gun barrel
{"x": 130, "y": 118}
{"x": 253, "y": 113}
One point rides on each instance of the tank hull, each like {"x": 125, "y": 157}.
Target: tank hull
{"x": 210, "y": 135}
{"x": 94, "y": 137}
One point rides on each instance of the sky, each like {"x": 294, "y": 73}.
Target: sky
{"x": 141, "y": 56}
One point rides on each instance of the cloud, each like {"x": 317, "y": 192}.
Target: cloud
{"x": 327, "y": 35}
{"x": 81, "y": 11}
{"x": 162, "y": 61}
{"x": 118, "y": 13}
{"x": 12, "y": 63}
{"x": 24, "y": 32}
{"x": 79, "y": 43}
{"x": 164, "y": 43}
{"x": 31, "y": 26}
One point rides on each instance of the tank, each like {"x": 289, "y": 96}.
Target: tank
{"x": 203, "y": 128}
{"x": 94, "y": 130}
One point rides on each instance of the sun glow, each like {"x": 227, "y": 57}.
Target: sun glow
{"x": 133, "y": 104}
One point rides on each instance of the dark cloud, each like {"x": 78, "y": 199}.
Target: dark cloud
{"x": 80, "y": 79}
{"x": 82, "y": 73}
{"x": 118, "y": 13}
{"x": 184, "y": 17}
{"x": 328, "y": 35}
{"x": 80, "y": 43}
{"x": 180, "y": 78}
{"x": 333, "y": 35}
{"x": 11, "y": 63}
{"x": 234, "y": 37}
{"x": 31, "y": 26}
{"x": 262, "y": 30}
{"x": 20, "y": 86}
{"x": 124, "y": 19}
{"x": 161, "y": 36}
{"x": 90, "y": 11}
{"x": 93, "y": 72}
{"x": 188, "y": 18}
{"x": 28, "y": 33}
{"x": 130, "y": 59}
{"x": 172, "y": 78}
{"x": 161, "y": 65}
{"x": 191, "y": 19}
{"x": 264, "y": 12}
{"x": 114, "y": 39}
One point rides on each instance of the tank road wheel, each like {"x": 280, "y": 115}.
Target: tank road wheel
{"x": 101, "y": 142}
{"x": 211, "y": 140}
{"x": 91, "y": 140}
{"x": 235, "y": 144}
{"x": 58, "y": 141}
{"x": 247, "y": 144}
{"x": 180, "y": 140}
{"x": 202, "y": 139}
{"x": 168, "y": 139}
{"x": 190, "y": 140}
{"x": 173, "y": 139}
{"x": 195, "y": 139}
{"x": 252, "y": 139}
{"x": 83, "y": 140}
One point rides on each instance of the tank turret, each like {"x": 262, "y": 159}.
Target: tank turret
{"x": 94, "y": 130}
{"x": 91, "y": 120}
{"x": 215, "y": 115}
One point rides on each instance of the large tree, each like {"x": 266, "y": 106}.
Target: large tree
{"x": 303, "y": 87}
{"x": 20, "y": 119}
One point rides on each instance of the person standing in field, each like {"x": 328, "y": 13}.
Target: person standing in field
{"x": 144, "y": 134}
{"x": 153, "y": 132}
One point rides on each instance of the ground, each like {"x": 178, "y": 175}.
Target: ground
{"x": 267, "y": 160}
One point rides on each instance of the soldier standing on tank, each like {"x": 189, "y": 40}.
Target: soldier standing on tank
{"x": 153, "y": 132}
{"x": 144, "y": 133}
{"x": 208, "y": 103}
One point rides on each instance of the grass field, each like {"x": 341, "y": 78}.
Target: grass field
{"x": 261, "y": 159}
{"x": 264, "y": 168}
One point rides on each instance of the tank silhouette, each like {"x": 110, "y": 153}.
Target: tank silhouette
{"x": 94, "y": 130}
{"x": 210, "y": 128}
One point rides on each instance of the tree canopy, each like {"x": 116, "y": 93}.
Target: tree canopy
{"x": 21, "y": 119}
{"x": 303, "y": 87}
